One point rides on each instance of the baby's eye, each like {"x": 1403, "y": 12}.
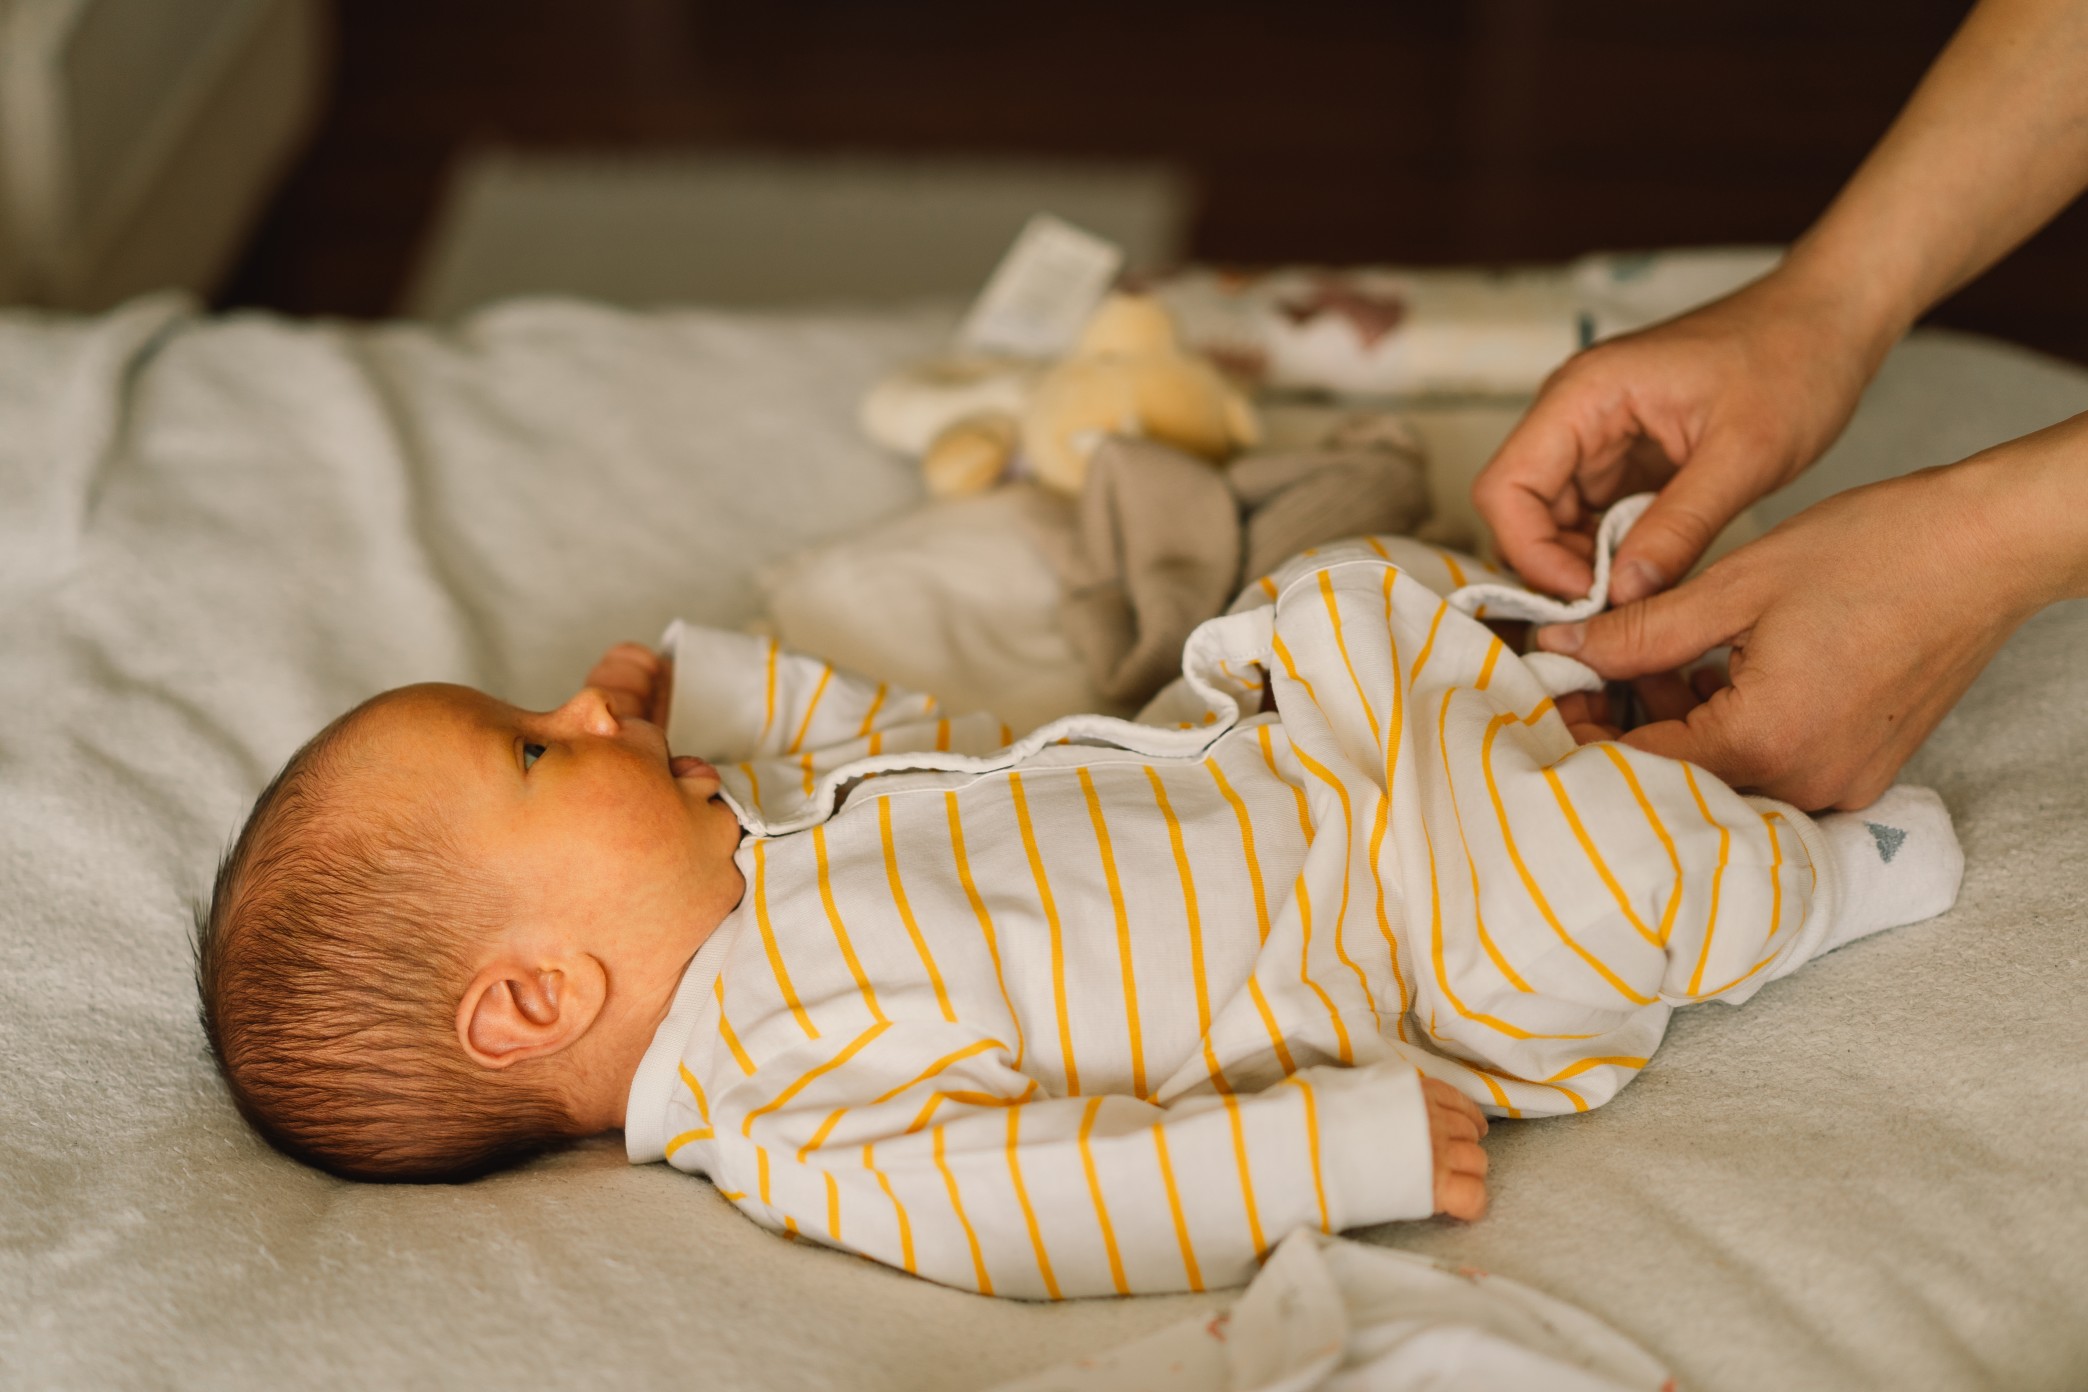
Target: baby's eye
{"x": 530, "y": 754}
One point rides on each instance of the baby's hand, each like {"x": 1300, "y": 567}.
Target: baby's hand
{"x": 637, "y": 681}
{"x": 1593, "y": 716}
{"x": 1454, "y": 1128}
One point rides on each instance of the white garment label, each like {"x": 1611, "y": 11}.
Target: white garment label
{"x": 1043, "y": 292}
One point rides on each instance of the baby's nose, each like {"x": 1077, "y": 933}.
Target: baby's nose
{"x": 589, "y": 711}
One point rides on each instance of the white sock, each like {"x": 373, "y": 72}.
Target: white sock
{"x": 1895, "y": 862}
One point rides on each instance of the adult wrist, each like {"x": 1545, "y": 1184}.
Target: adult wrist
{"x": 1850, "y": 312}
{"x": 2024, "y": 507}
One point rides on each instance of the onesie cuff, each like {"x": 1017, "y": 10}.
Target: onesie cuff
{"x": 1375, "y": 1155}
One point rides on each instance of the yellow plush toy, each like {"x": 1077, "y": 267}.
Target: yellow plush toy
{"x": 1127, "y": 376}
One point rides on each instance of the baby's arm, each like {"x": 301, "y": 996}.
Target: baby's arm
{"x": 967, "y": 1176}
{"x": 739, "y": 697}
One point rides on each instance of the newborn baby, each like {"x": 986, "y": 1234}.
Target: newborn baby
{"x": 1109, "y": 1008}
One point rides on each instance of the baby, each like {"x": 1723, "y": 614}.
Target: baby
{"x": 1109, "y": 1008}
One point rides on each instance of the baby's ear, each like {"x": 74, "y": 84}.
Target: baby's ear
{"x": 516, "y": 1008}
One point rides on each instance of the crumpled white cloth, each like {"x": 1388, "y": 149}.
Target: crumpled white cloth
{"x": 1560, "y": 673}
{"x": 1515, "y": 602}
{"x": 1342, "y": 1316}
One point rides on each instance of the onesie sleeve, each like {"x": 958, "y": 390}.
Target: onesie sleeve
{"x": 956, "y": 1168}
{"x": 742, "y": 696}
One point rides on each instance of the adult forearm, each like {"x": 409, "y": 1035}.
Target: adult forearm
{"x": 1993, "y": 143}
{"x": 2029, "y": 499}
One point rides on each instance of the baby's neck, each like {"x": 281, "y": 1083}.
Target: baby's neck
{"x": 595, "y": 1072}
{"x": 601, "y": 1067}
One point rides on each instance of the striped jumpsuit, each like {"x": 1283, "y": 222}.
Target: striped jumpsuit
{"x": 1115, "y": 1006}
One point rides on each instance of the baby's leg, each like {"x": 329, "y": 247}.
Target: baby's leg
{"x": 1557, "y": 901}
{"x": 1604, "y": 886}
{"x": 1748, "y": 889}
{"x": 1893, "y": 863}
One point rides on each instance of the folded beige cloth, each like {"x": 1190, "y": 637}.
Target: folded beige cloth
{"x": 1160, "y": 540}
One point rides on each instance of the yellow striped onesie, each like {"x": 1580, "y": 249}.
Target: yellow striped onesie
{"x": 1114, "y": 1007}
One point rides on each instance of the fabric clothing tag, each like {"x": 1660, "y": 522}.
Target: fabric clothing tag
{"x": 1043, "y": 291}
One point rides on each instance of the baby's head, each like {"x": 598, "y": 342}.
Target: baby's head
{"x": 449, "y": 928}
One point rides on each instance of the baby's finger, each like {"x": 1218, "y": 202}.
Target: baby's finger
{"x": 1583, "y": 708}
{"x": 1448, "y": 1126}
{"x": 1466, "y": 1157}
{"x": 1460, "y": 1196}
{"x": 628, "y": 674}
{"x": 1441, "y": 1094}
{"x": 621, "y": 677}
{"x": 1452, "y": 1123}
{"x": 636, "y": 655}
{"x": 662, "y": 694}
{"x": 623, "y": 703}
{"x": 1708, "y": 680}
{"x": 1666, "y": 696}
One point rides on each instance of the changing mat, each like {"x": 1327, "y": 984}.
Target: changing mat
{"x": 217, "y": 533}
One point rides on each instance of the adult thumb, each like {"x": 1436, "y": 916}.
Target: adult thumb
{"x": 1685, "y": 518}
{"x": 1653, "y": 635}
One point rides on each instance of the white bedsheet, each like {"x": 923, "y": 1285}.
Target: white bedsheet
{"x": 214, "y": 534}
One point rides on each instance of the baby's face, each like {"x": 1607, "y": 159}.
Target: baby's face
{"x": 593, "y": 829}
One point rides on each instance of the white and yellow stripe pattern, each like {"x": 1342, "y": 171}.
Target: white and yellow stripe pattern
{"x": 1116, "y": 1007}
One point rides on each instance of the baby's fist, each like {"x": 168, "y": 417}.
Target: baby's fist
{"x": 635, "y": 679}
{"x": 1454, "y": 1128}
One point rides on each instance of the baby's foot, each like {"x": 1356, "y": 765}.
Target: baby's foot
{"x": 1895, "y": 862}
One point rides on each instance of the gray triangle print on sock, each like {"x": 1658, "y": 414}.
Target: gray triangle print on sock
{"x": 1889, "y": 840}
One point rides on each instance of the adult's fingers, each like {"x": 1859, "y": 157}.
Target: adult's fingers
{"x": 1659, "y": 634}
{"x": 1719, "y": 736}
{"x": 1522, "y": 489}
{"x": 1678, "y": 739}
{"x": 1685, "y": 518}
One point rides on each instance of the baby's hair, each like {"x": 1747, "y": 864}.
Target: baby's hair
{"x": 329, "y": 964}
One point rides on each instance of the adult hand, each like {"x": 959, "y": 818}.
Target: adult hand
{"x": 1854, "y": 626}
{"x": 1713, "y": 409}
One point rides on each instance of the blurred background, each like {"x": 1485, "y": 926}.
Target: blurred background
{"x": 385, "y": 157}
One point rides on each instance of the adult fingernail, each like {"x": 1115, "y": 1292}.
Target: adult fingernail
{"x": 1562, "y": 638}
{"x": 1634, "y": 579}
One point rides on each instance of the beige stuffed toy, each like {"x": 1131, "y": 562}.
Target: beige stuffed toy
{"x": 1127, "y": 376}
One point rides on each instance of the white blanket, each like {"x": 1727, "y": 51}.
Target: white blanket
{"x": 215, "y": 534}
{"x": 1341, "y": 1316}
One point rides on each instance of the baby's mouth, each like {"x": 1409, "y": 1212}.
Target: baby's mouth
{"x": 689, "y": 766}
